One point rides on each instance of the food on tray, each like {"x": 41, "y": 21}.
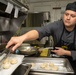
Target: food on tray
{"x": 6, "y": 61}
{"x": 54, "y": 68}
{"x": 13, "y": 61}
{"x": 43, "y": 65}
{"x": 47, "y": 68}
{"x": 51, "y": 64}
{"x": 6, "y": 65}
{"x": 33, "y": 64}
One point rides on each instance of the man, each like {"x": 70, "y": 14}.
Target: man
{"x": 63, "y": 32}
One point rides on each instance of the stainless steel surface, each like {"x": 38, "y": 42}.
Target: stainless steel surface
{"x": 36, "y": 73}
{"x": 27, "y": 50}
{"x": 27, "y": 71}
{"x": 8, "y": 24}
{"x": 18, "y": 3}
{"x": 63, "y": 64}
{"x": 23, "y": 69}
{"x": 40, "y": 1}
{"x": 11, "y": 25}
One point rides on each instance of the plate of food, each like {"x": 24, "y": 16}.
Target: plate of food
{"x": 10, "y": 64}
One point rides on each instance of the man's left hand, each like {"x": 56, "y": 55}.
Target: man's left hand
{"x": 60, "y": 51}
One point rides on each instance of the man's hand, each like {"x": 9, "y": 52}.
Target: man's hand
{"x": 15, "y": 41}
{"x": 60, "y": 51}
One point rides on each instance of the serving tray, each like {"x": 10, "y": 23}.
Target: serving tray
{"x": 63, "y": 64}
{"x": 13, "y": 67}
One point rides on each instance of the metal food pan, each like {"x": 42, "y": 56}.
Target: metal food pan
{"x": 63, "y": 64}
{"x": 22, "y": 70}
{"x": 27, "y": 50}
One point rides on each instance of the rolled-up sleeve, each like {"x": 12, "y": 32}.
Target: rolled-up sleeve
{"x": 42, "y": 32}
{"x": 45, "y": 30}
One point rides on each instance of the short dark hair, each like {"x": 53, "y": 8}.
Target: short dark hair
{"x": 71, "y": 6}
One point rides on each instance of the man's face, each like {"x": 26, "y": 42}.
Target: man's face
{"x": 69, "y": 18}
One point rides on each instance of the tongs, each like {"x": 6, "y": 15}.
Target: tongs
{"x": 7, "y": 52}
{"x": 4, "y": 51}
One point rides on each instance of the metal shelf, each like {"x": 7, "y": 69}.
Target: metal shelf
{"x": 18, "y": 3}
{"x": 4, "y": 32}
{"x": 22, "y": 7}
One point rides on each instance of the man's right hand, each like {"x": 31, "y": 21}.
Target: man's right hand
{"x": 15, "y": 42}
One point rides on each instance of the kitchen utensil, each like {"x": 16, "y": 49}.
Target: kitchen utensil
{"x": 7, "y": 55}
{"x": 27, "y": 50}
{"x": 7, "y": 52}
